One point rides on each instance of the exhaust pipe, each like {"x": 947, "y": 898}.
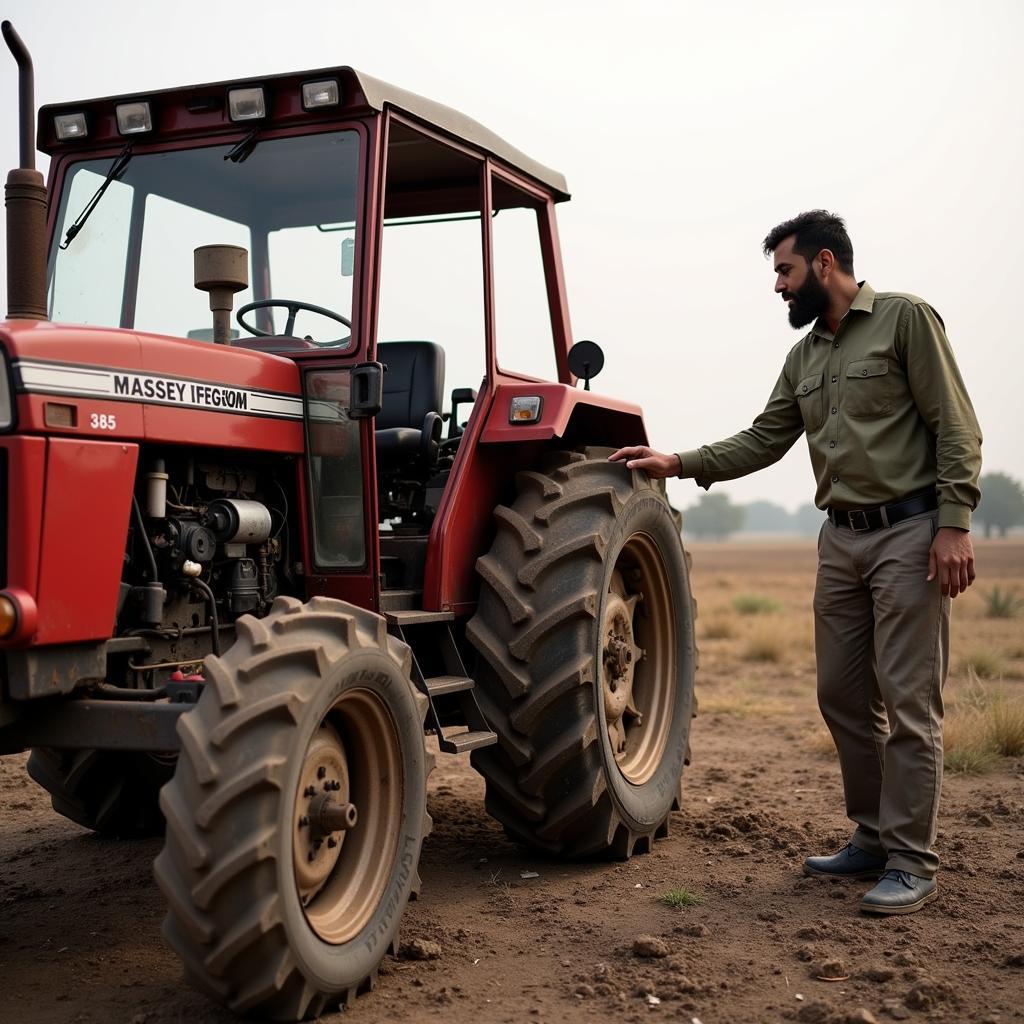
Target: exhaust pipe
{"x": 25, "y": 198}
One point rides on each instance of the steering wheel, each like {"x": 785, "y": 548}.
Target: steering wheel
{"x": 293, "y": 306}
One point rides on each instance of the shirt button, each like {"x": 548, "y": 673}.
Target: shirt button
{"x": 863, "y": 373}
{"x": 834, "y": 410}
{"x": 831, "y": 444}
{"x": 836, "y": 345}
{"x": 835, "y": 479}
{"x": 805, "y": 389}
{"x": 834, "y": 379}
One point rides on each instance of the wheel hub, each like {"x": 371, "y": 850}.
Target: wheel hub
{"x": 620, "y": 656}
{"x": 322, "y": 812}
{"x": 639, "y": 659}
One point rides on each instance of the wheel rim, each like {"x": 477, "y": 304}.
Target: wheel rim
{"x": 639, "y": 659}
{"x": 347, "y": 803}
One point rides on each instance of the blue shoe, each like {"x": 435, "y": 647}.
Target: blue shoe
{"x": 899, "y": 892}
{"x": 849, "y": 862}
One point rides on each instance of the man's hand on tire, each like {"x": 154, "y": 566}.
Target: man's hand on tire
{"x": 654, "y": 464}
{"x": 951, "y": 558}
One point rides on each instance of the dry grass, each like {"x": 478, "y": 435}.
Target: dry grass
{"x": 754, "y": 604}
{"x": 821, "y": 744}
{"x": 765, "y": 644}
{"x": 983, "y": 724}
{"x": 984, "y": 663}
{"x": 760, "y": 666}
{"x": 1006, "y": 726}
{"x": 718, "y": 627}
{"x": 739, "y": 705}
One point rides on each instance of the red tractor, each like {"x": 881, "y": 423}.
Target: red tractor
{"x": 245, "y": 569}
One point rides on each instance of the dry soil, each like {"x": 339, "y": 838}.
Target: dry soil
{"x": 520, "y": 938}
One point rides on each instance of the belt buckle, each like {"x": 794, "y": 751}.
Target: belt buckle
{"x": 853, "y": 522}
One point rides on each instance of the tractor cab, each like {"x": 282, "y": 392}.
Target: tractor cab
{"x": 377, "y": 227}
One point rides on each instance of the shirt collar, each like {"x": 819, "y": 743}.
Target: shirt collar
{"x": 863, "y": 302}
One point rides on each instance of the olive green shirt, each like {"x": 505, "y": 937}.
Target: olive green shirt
{"x": 884, "y": 408}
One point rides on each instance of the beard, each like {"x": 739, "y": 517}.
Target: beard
{"x": 810, "y": 301}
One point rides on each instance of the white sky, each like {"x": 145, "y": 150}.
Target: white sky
{"x": 686, "y": 130}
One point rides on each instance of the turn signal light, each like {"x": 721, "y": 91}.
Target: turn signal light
{"x": 8, "y": 617}
{"x": 525, "y": 409}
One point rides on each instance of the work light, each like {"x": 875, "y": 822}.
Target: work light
{"x": 134, "y": 118}
{"x": 247, "y": 104}
{"x": 320, "y": 94}
{"x": 70, "y": 126}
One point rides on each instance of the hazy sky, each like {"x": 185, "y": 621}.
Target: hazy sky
{"x": 686, "y": 131}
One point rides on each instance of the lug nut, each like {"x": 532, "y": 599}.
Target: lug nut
{"x": 332, "y": 842}
{"x": 321, "y": 772}
{"x": 304, "y": 821}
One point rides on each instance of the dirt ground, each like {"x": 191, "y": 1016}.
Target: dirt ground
{"x": 80, "y": 916}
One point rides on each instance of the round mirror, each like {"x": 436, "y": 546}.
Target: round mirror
{"x": 586, "y": 359}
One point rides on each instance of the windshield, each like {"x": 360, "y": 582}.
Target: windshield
{"x": 291, "y": 202}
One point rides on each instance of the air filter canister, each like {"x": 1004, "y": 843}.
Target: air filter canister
{"x": 240, "y": 521}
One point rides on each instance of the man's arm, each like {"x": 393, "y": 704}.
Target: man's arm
{"x": 942, "y": 400}
{"x": 763, "y": 443}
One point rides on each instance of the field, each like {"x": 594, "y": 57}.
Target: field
{"x": 507, "y": 936}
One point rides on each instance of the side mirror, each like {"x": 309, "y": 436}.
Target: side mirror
{"x": 460, "y": 396}
{"x": 586, "y": 360}
{"x": 367, "y": 394}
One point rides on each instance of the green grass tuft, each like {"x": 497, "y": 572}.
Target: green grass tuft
{"x": 754, "y": 604}
{"x": 680, "y": 898}
{"x": 1000, "y": 604}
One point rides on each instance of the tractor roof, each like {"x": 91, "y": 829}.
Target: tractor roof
{"x": 201, "y": 108}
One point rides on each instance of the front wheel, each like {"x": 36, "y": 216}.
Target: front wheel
{"x": 297, "y": 811}
{"x": 586, "y": 640}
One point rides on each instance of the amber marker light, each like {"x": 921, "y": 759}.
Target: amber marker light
{"x": 8, "y": 617}
{"x": 525, "y": 409}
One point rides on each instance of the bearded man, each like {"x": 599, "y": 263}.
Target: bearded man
{"x": 896, "y": 451}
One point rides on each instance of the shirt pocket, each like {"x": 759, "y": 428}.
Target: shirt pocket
{"x": 868, "y": 389}
{"x": 811, "y": 396}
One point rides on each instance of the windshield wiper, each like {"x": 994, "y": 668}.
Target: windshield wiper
{"x": 117, "y": 168}
{"x": 241, "y": 151}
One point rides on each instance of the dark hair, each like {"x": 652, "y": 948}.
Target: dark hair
{"x": 815, "y": 230}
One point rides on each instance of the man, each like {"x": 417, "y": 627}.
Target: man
{"x": 896, "y": 450}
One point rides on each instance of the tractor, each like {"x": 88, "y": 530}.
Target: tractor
{"x": 248, "y": 565}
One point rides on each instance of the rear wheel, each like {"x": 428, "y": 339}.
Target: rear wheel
{"x": 111, "y": 792}
{"x": 586, "y": 640}
{"x": 296, "y": 814}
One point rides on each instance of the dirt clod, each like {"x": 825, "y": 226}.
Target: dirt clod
{"x": 650, "y": 947}
{"x": 419, "y": 949}
{"x": 829, "y": 970}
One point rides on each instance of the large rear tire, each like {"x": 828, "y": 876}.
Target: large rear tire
{"x": 114, "y": 793}
{"x": 586, "y": 640}
{"x": 297, "y": 811}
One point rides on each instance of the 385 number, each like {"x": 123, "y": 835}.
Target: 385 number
{"x": 103, "y": 421}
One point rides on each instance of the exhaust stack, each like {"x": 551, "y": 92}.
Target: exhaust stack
{"x": 25, "y": 198}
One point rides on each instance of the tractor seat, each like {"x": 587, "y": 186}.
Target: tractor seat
{"x": 413, "y": 395}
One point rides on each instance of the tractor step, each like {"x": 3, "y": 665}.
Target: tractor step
{"x": 414, "y": 616}
{"x": 463, "y": 741}
{"x": 438, "y": 686}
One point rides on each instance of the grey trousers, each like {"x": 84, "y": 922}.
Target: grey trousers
{"x": 882, "y": 646}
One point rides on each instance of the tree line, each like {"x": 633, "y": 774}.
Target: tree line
{"x": 715, "y": 517}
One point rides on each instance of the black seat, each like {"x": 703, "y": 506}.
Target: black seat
{"x": 409, "y": 422}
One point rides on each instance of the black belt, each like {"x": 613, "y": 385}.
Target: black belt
{"x": 861, "y": 519}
